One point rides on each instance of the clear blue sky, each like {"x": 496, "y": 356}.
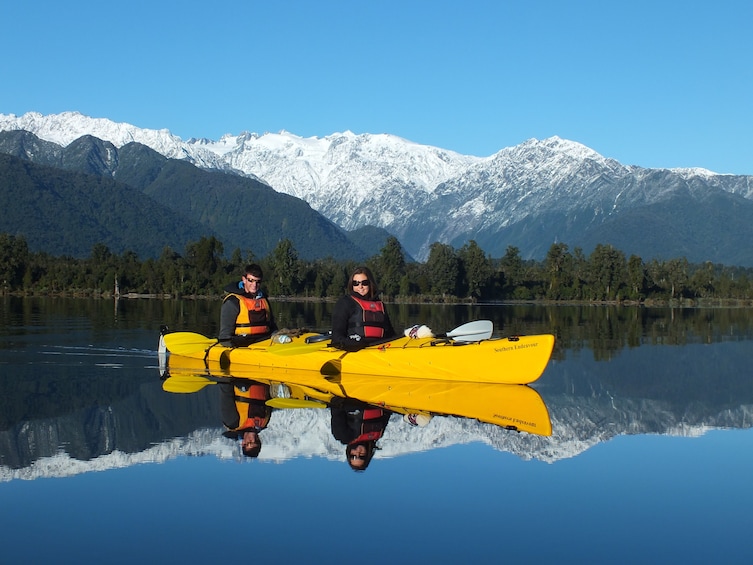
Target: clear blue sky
{"x": 651, "y": 83}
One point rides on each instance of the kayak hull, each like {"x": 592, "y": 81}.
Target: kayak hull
{"x": 510, "y": 360}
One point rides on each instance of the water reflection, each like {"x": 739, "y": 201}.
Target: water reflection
{"x": 80, "y": 386}
{"x": 359, "y": 406}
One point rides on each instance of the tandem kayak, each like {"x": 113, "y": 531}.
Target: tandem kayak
{"x": 507, "y": 360}
{"x": 514, "y": 407}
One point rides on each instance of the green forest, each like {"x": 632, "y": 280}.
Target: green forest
{"x": 448, "y": 275}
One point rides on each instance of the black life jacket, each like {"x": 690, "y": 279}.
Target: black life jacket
{"x": 372, "y": 426}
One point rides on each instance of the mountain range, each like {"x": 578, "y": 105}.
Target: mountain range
{"x": 63, "y": 200}
{"x": 528, "y": 196}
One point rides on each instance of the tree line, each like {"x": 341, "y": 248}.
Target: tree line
{"x": 448, "y": 274}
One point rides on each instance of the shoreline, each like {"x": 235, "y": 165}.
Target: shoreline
{"x": 649, "y": 303}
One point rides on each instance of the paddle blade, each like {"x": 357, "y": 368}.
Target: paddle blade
{"x": 472, "y": 331}
{"x": 185, "y": 384}
{"x": 294, "y": 403}
{"x": 187, "y": 343}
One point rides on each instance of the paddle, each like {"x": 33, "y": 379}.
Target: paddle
{"x": 186, "y": 343}
{"x": 185, "y": 384}
{"x": 465, "y": 333}
{"x": 294, "y": 403}
{"x": 471, "y": 331}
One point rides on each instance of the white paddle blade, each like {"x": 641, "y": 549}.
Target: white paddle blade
{"x": 472, "y": 331}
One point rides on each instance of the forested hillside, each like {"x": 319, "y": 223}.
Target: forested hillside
{"x": 135, "y": 199}
{"x": 67, "y": 213}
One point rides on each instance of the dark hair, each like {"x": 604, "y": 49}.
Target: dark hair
{"x": 362, "y": 270}
{"x": 255, "y": 270}
{"x": 237, "y": 435}
{"x": 253, "y": 451}
{"x": 370, "y": 450}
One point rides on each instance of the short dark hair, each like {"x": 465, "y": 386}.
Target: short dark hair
{"x": 252, "y": 452}
{"x": 255, "y": 270}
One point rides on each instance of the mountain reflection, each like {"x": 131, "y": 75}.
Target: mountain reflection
{"x": 68, "y": 408}
{"x": 360, "y": 406}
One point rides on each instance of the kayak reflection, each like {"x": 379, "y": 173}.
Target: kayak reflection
{"x": 513, "y": 407}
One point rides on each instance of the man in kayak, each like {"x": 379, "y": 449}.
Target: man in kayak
{"x": 359, "y": 318}
{"x": 245, "y": 317}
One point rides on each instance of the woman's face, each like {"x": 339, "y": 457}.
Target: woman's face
{"x": 357, "y": 456}
{"x": 360, "y": 284}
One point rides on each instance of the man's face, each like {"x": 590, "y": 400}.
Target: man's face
{"x": 250, "y": 440}
{"x": 251, "y": 284}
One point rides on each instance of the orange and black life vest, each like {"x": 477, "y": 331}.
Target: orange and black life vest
{"x": 369, "y": 322}
{"x": 254, "y": 317}
{"x": 250, "y": 401}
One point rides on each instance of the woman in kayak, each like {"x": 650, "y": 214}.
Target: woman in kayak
{"x": 359, "y": 318}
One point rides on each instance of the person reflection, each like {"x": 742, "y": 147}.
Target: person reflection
{"x": 358, "y": 426}
{"x": 245, "y": 413}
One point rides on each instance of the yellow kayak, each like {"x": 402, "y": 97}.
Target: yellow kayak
{"x": 508, "y": 360}
{"x": 516, "y": 407}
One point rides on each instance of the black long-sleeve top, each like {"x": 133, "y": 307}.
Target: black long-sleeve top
{"x": 346, "y": 309}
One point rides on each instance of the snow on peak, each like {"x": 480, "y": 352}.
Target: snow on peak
{"x": 66, "y": 127}
{"x": 417, "y": 192}
{"x": 694, "y": 172}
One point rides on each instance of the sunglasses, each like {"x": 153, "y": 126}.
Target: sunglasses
{"x": 253, "y": 280}
{"x": 354, "y": 457}
{"x": 360, "y": 283}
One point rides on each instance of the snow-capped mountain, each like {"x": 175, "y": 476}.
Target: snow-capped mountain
{"x": 529, "y": 196}
{"x": 67, "y": 127}
{"x": 306, "y": 433}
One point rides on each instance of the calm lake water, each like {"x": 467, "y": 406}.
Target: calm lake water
{"x": 650, "y": 457}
